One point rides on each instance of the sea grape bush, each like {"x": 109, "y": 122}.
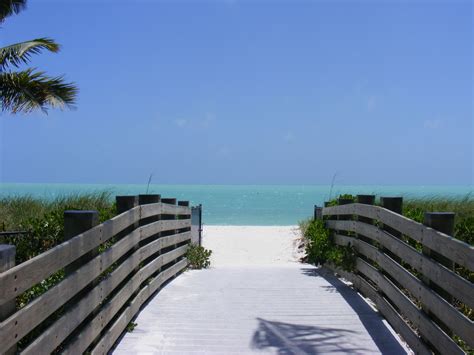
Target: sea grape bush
{"x": 198, "y": 256}
{"x": 321, "y": 248}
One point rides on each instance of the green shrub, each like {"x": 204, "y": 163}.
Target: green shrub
{"x": 321, "y": 248}
{"x": 198, "y": 256}
{"x": 318, "y": 244}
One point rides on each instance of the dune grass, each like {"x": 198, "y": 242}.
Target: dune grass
{"x": 43, "y": 220}
{"x": 462, "y": 207}
{"x": 17, "y": 211}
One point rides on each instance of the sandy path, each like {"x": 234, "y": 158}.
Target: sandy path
{"x": 251, "y": 245}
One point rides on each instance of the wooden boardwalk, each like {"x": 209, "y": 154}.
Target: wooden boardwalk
{"x": 282, "y": 309}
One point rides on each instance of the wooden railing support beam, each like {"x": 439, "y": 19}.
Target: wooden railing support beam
{"x": 7, "y": 261}
{"x": 77, "y": 222}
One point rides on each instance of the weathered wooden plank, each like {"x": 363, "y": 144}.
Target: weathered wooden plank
{"x": 456, "y": 250}
{"x": 162, "y": 226}
{"x": 387, "y": 310}
{"x": 154, "y": 209}
{"x": 176, "y": 239}
{"x": 117, "y": 328}
{"x": 23, "y": 321}
{"x": 455, "y": 320}
{"x": 151, "y": 209}
{"x": 425, "y": 325}
{"x": 7, "y": 261}
{"x": 25, "y": 275}
{"x": 163, "y": 242}
{"x": 457, "y": 286}
{"x": 94, "y": 328}
{"x": 175, "y": 209}
{"x": 64, "y": 326}
{"x": 118, "y": 223}
{"x": 174, "y": 254}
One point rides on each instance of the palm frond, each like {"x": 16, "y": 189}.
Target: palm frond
{"x": 27, "y": 91}
{"x": 10, "y": 7}
{"x": 20, "y": 53}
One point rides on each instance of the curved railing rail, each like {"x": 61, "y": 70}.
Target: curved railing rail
{"x": 409, "y": 270}
{"x": 102, "y": 291}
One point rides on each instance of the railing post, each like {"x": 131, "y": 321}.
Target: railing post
{"x": 77, "y": 222}
{"x": 394, "y": 204}
{"x": 188, "y": 216}
{"x": 196, "y": 223}
{"x": 318, "y": 212}
{"x": 366, "y": 200}
{"x": 146, "y": 200}
{"x": 7, "y": 261}
{"x": 444, "y": 223}
{"x": 184, "y": 204}
{"x": 170, "y": 201}
{"x": 340, "y": 202}
{"x": 125, "y": 203}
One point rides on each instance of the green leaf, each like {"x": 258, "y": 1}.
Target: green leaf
{"x": 27, "y": 91}
{"x": 10, "y": 7}
{"x": 20, "y": 53}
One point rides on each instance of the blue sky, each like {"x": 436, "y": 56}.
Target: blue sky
{"x": 249, "y": 92}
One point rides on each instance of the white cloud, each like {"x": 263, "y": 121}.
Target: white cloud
{"x": 432, "y": 124}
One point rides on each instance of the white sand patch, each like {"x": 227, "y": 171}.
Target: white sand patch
{"x": 251, "y": 245}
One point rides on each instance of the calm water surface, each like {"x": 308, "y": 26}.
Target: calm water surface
{"x": 242, "y": 204}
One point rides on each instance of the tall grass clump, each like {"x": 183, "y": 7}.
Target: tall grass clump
{"x": 415, "y": 208}
{"x": 43, "y": 220}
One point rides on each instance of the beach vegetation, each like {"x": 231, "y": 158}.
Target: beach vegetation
{"x": 321, "y": 248}
{"x": 28, "y": 89}
{"x": 198, "y": 256}
{"x": 42, "y": 221}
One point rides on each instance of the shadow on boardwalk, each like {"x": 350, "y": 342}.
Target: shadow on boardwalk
{"x": 303, "y": 339}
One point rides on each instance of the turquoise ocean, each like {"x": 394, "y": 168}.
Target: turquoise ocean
{"x": 241, "y": 204}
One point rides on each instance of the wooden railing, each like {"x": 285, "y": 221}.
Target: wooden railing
{"x": 409, "y": 271}
{"x": 109, "y": 270}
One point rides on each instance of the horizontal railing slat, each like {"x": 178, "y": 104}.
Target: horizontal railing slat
{"x": 175, "y": 209}
{"x": 112, "y": 334}
{"x": 456, "y": 250}
{"x": 427, "y": 328}
{"x": 25, "y": 275}
{"x": 27, "y": 318}
{"x": 64, "y": 326}
{"x": 52, "y": 337}
{"x": 387, "y": 310}
{"x": 457, "y": 286}
{"x": 94, "y": 328}
{"x": 154, "y": 209}
{"x": 163, "y": 226}
{"x": 455, "y": 320}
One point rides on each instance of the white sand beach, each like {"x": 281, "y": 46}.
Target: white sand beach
{"x": 251, "y": 245}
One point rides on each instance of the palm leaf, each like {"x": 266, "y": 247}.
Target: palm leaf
{"x": 20, "y": 53}
{"x": 28, "y": 91}
{"x": 10, "y": 7}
